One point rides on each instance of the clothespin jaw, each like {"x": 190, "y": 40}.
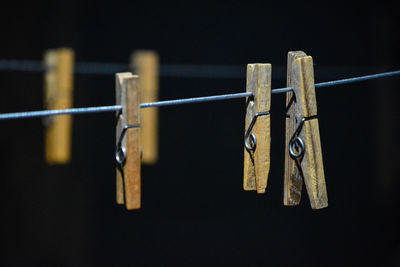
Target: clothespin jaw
{"x": 257, "y": 128}
{"x": 58, "y": 94}
{"x": 304, "y": 146}
{"x": 145, "y": 63}
{"x": 128, "y": 141}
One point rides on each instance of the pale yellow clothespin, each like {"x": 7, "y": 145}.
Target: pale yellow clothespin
{"x": 58, "y": 92}
{"x": 145, "y": 63}
{"x": 303, "y": 155}
{"x": 257, "y": 128}
{"x": 128, "y": 141}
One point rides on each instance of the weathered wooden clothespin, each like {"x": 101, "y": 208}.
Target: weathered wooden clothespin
{"x": 145, "y": 63}
{"x": 303, "y": 155}
{"x": 58, "y": 94}
{"x": 257, "y": 128}
{"x": 128, "y": 141}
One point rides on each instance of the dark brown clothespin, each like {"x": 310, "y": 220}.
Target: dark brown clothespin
{"x": 303, "y": 155}
{"x": 257, "y": 128}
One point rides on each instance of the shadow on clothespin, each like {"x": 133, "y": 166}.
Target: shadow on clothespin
{"x": 145, "y": 63}
{"x": 303, "y": 153}
{"x": 58, "y": 94}
{"x": 257, "y": 128}
{"x": 128, "y": 140}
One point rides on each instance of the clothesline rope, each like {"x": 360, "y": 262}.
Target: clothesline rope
{"x": 99, "y": 109}
{"x": 234, "y": 71}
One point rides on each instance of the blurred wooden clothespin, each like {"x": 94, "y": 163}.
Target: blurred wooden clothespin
{"x": 145, "y": 63}
{"x": 257, "y": 128}
{"x": 303, "y": 155}
{"x": 128, "y": 141}
{"x": 58, "y": 92}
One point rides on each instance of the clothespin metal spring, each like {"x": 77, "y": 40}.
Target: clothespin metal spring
{"x": 297, "y": 142}
{"x": 251, "y": 146}
{"x": 120, "y": 152}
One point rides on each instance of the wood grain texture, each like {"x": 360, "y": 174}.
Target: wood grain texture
{"x": 257, "y": 162}
{"x": 293, "y": 181}
{"x": 306, "y": 105}
{"x": 129, "y": 178}
{"x": 120, "y": 97}
{"x": 145, "y": 63}
{"x": 132, "y": 167}
{"x": 58, "y": 92}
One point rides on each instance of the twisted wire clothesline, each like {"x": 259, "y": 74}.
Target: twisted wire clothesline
{"x": 99, "y": 109}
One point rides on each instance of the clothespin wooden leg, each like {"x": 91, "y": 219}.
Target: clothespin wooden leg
{"x": 293, "y": 181}
{"x": 58, "y": 92}
{"x": 145, "y": 63}
{"x": 257, "y": 128}
{"x": 128, "y": 141}
{"x": 305, "y": 145}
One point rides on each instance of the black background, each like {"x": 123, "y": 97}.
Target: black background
{"x": 195, "y": 211}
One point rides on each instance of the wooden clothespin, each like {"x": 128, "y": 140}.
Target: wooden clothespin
{"x": 303, "y": 155}
{"x": 128, "y": 141}
{"x": 145, "y": 63}
{"x": 257, "y": 128}
{"x": 58, "y": 92}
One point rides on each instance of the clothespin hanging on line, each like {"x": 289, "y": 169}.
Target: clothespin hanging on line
{"x": 58, "y": 94}
{"x": 145, "y": 63}
{"x": 303, "y": 153}
{"x": 257, "y": 128}
{"x": 128, "y": 141}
